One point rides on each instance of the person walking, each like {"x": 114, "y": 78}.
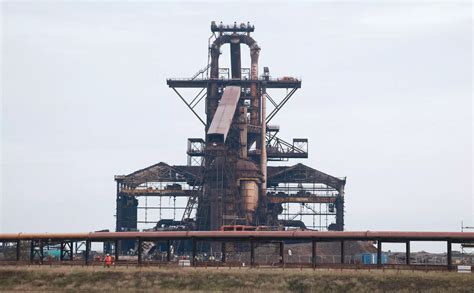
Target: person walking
{"x": 108, "y": 261}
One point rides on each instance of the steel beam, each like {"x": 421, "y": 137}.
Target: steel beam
{"x": 282, "y": 253}
{"x": 252, "y": 252}
{"x": 18, "y": 250}
{"x": 140, "y": 250}
{"x": 71, "y": 256}
{"x": 61, "y": 251}
{"x": 193, "y": 254}
{"x": 203, "y": 83}
{"x": 116, "y": 249}
{"x": 407, "y": 254}
{"x": 189, "y": 106}
{"x": 87, "y": 253}
{"x": 313, "y": 253}
{"x": 449, "y": 255}
{"x": 379, "y": 253}
{"x": 342, "y": 252}
{"x": 223, "y": 251}
{"x": 32, "y": 250}
{"x": 168, "y": 251}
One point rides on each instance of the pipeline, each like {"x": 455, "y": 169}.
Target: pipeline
{"x": 455, "y": 237}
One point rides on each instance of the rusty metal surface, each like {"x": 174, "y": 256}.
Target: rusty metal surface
{"x": 232, "y": 138}
{"x": 302, "y": 173}
{"x": 302, "y": 199}
{"x": 385, "y": 236}
{"x": 203, "y": 83}
{"x": 222, "y": 120}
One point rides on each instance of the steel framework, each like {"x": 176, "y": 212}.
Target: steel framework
{"x": 227, "y": 180}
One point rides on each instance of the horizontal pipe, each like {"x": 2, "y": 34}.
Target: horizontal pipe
{"x": 391, "y": 236}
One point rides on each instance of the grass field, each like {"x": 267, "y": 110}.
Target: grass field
{"x": 46, "y": 278}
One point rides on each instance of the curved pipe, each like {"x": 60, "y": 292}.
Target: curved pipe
{"x": 215, "y": 53}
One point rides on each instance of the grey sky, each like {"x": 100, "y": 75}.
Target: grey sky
{"x": 386, "y": 100}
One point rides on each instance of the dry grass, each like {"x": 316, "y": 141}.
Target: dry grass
{"x": 234, "y": 280}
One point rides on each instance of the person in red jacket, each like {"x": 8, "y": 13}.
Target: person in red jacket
{"x": 108, "y": 261}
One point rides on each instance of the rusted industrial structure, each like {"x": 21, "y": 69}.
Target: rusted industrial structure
{"x": 228, "y": 180}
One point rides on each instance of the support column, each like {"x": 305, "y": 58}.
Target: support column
{"x": 339, "y": 205}
{"x": 252, "y": 252}
{"x": 282, "y": 253}
{"x": 116, "y": 250}
{"x": 71, "y": 255}
{"x": 449, "y": 255}
{"x": 263, "y": 157}
{"x": 313, "y": 253}
{"x": 18, "y": 250}
{"x": 41, "y": 251}
{"x": 88, "y": 249}
{"x": 193, "y": 254}
{"x": 168, "y": 251}
{"x": 140, "y": 250}
{"x": 407, "y": 254}
{"x": 32, "y": 250}
{"x": 223, "y": 251}
{"x": 61, "y": 251}
{"x": 379, "y": 253}
{"x": 342, "y": 252}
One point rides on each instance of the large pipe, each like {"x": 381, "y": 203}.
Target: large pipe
{"x": 235, "y": 56}
{"x": 212, "y": 99}
{"x": 454, "y": 237}
{"x": 243, "y": 132}
{"x": 263, "y": 157}
{"x": 254, "y": 53}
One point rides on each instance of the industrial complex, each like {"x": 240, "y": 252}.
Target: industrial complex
{"x": 234, "y": 203}
{"x": 230, "y": 179}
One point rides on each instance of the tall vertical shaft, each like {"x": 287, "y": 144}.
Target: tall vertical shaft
{"x": 235, "y": 60}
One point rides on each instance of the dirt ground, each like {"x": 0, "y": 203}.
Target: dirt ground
{"x": 86, "y": 279}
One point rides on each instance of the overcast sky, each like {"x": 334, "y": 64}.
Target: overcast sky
{"x": 386, "y": 100}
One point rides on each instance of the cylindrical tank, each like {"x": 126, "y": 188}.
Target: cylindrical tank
{"x": 249, "y": 179}
{"x": 249, "y": 192}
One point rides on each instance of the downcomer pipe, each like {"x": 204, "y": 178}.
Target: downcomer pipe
{"x": 212, "y": 89}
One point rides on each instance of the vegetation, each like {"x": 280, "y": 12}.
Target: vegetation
{"x": 47, "y": 278}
